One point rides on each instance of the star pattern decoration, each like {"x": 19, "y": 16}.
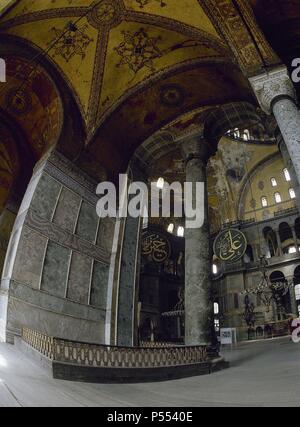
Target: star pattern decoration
{"x": 138, "y": 50}
{"x": 72, "y": 42}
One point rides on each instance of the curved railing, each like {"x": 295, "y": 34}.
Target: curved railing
{"x": 94, "y": 355}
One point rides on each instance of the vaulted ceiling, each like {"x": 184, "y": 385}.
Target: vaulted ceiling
{"x": 113, "y": 45}
{"x": 98, "y": 78}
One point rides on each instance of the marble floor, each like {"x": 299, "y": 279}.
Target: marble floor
{"x": 261, "y": 374}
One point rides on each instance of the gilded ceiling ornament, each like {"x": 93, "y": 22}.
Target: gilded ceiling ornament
{"x": 143, "y": 3}
{"x": 71, "y": 42}
{"x": 138, "y": 50}
{"x": 105, "y": 13}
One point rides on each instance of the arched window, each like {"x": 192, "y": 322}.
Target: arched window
{"x": 286, "y": 234}
{"x": 171, "y": 228}
{"x": 274, "y": 182}
{"x": 180, "y": 232}
{"x": 264, "y": 202}
{"x": 292, "y": 250}
{"x": 236, "y": 133}
{"x": 292, "y": 193}
{"x": 287, "y": 175}
{"x": 246, "y": 135}
{"x": 278, "y": 198}
{"x": 216, "y": 308}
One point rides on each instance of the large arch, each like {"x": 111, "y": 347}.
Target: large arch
{"x": 30, "y": 77}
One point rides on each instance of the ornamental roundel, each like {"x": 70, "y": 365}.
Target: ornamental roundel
{"x": 155, "y": 247}
{"x": 105, "y": 13}
{"x": 18, "y": 101}
{"x": 230, "y": 245}
{"x": 172, "y": 95}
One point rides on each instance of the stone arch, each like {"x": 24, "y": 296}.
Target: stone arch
{"x": 44, "y": 90}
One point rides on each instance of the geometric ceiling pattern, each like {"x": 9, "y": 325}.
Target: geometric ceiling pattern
{"x": 113, "y": 45}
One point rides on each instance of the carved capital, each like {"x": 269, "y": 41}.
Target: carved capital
{"x": 270, "y": 86}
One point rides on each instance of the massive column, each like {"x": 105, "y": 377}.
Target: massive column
{"x": 289, "y": 164}
{"x": 127, "y": 270}
{"x": 198, "y": 281}
{"x": 128, "y": 284}
{"x": 276, "y": 94}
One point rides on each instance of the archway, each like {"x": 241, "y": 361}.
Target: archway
{"x": 271, "y": 241}
{"x": 286, "y": 237}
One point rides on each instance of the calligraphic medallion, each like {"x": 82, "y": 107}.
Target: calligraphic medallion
{"x": 230, "y": 245}
{"x": 155, "y": 247}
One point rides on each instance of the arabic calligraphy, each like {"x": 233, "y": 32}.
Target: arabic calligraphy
{"x": 155, "y": 247}
{"x": 230, "y": 245}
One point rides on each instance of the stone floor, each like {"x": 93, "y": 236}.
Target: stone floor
{"x": 262, "y": 374}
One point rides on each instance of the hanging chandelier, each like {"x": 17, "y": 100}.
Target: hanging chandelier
{"x": 268, "y": 290}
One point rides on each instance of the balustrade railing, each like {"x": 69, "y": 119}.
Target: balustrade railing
{"x": 95, "y": 355}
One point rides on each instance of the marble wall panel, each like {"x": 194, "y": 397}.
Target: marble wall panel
{"x": 30, "y": 257}
{"x": 67, "y": 210}
{"x": 87, "y": 222}
{"x": 56, "y": 268}
{"x": 45, "y": 197}
{"x": 99, "y": 285}
{"x": 80, "y": 278}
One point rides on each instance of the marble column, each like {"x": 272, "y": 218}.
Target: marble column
{"x": 289, "y": 165}
{"x": 279, "y": 244}
{"x": 129, "y": 274}
{"x": 198, "y": 254}
{"x": 276, "y": 94}
{"x": 128, "y": 284}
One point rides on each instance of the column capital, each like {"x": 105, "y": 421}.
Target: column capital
{"x": 196, "y": 147}
{"x": 273, "y": 85}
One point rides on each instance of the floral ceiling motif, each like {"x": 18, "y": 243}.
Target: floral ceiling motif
{"x": 72, "y": 42}
{"x": 104, "y": 49}
{"x": 138, "y": 50}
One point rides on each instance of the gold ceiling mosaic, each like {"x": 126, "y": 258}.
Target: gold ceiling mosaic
{"x": 106, "y": 48}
